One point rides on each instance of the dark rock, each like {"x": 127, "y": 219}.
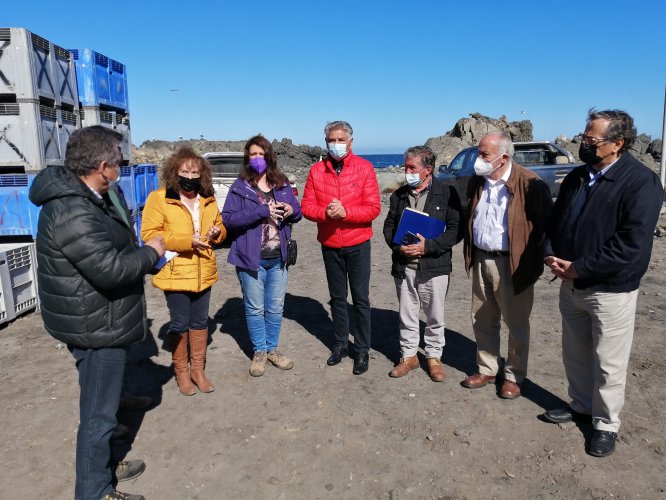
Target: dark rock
{"x": 641, "y": 144}
{"x": 654, "y": 149}
{"x": 295, "y": 160}
{"x": 469, "y": 131}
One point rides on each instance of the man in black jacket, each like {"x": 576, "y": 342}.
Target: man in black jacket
{"x": 421, "y": 267}
{"x": 90, "y": 274}
{"x": 601, "y": 239}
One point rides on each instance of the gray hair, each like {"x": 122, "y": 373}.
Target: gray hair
{"x": 620, "y": 125}
{"x": 89, "y": 146}
{"x": 504, "y": 143}
{"x": 424, "y": 153}
{"x": 339, "y": 124}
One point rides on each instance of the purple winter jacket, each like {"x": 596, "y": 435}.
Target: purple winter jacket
{"x": 243, "y": 215}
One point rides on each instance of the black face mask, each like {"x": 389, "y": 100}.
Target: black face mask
{"x": 189, "y": 184}
{"x": 588, "y": 154}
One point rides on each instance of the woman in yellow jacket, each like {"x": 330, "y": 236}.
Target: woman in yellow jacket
{"x": 185, "y": 214}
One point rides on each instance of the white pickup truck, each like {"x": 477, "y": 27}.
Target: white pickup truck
{"x": 226, "y": 166}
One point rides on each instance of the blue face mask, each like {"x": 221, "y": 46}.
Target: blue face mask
{"x": 337, "y": 150}
{"x": 413, "y": 179}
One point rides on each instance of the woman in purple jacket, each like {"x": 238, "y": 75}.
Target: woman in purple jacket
{"x": 258, "y": 213}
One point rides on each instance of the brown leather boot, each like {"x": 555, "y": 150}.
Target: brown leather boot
{"x": 435, "y": 369}
{"x": 198, "y": 346}
{"x": 405, "y": 366}
{"x": 179, "y": 357}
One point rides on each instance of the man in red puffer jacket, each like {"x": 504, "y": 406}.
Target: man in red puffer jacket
{"x": 342, "y": 196}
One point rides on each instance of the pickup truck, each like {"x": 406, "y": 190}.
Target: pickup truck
{"x": 226, "y": 167}
{"x": 549, "y": 160}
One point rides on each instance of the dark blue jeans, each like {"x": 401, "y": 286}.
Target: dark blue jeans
{"x": 188, "y": 310}
{"x": 349, "y": 265}
{"x": 101, "y": 381}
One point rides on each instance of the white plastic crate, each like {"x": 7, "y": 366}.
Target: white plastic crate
{"x": 18, "y": 274}
{"x": 122, "y": 125}
{"x": 120, "y": 122}
{"x": 33, "y": 68}
{"x": 30, "y": 135}
{"x": 3, "y": 309}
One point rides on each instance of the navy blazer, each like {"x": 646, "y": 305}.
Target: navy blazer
{"x": 612, "y": 242}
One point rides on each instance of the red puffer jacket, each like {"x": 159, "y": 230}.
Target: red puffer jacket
{"x": 356, "y": 188}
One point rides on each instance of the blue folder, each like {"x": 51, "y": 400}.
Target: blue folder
{"x": 415, "y": 221}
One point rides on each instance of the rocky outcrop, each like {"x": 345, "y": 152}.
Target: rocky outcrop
{"x": 469, "y": 131}
{"x": 477, "y": 125}
{"x": 654, "y": 149}
{"x": 296, "y": 159}
{"x": 644, "y": 149}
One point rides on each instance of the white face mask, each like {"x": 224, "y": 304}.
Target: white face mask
{"x": 337, "y": 150}
{"x": 413, "y": 179}
{"x": 112, "y": 182}
{"x": 485, "y": 168}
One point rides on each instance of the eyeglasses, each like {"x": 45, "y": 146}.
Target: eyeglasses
{"x": 588, "y": 139}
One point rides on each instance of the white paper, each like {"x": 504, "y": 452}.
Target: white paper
{"x": 168, "y": 255}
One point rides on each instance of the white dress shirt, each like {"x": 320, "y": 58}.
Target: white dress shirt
{"x": 490, "y": 226}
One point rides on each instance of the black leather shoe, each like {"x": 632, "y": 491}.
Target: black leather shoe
{"x": 337, "y": 354}
{"x": 602, "y": 443}
{"x": 360, "y": 363}
{"x": 564, "y": 414}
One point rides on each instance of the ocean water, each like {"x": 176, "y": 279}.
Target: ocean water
{"x": 383, "y": 161}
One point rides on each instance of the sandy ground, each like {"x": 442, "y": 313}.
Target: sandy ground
{"x": 320, "y": 432}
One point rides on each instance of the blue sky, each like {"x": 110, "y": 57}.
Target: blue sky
{"x": 398, "y": 71}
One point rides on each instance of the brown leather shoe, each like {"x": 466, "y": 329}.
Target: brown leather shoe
{"x": 435, "y": 369}
{"x": 477, "y": 380}
{"x": 404, "y": 367}
{"x": 510, "y": 390}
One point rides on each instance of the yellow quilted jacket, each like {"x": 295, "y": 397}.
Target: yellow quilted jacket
{"x": 165, "y": 215}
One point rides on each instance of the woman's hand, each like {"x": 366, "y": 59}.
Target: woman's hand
{"x": 276, "y": 211}
{"x": 288, "y": 210}
{"x": 199, "y": 243}
{"x": 213, "y": 232}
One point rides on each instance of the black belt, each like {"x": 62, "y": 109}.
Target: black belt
{"x": 493, "y": 253}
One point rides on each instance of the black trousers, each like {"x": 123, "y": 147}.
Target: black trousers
{"x": 349, "y": 265}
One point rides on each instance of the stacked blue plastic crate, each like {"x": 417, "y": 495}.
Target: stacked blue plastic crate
{"x": 136, "y": 183}
{"x": 18, "y": 216}
{"x": 102, "y": 91}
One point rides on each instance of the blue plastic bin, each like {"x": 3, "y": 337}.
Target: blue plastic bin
{"x": 145, "y": 181}
{"x": 118, "y": 84}
{"x": 18, "y": 216}
{"x": 92, "y": 77}
{"x": 140, "y": 185}
{"x": 151, "y": 178}
{"x": 126, "y": 184}
{"x": 99, "y": 79}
